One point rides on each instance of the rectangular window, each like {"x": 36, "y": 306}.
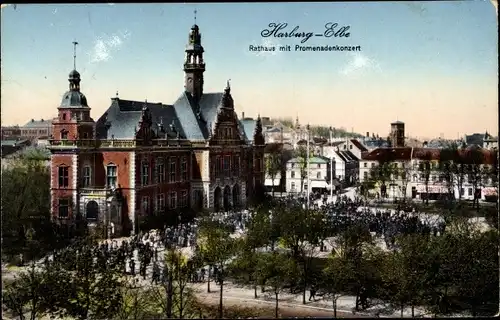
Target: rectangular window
{"x": 111, "y": 176}
{"x": 184, "y": 169}
{"x": 183, "y": 201}
{"x": 86, "y": 176}
{"x": 63, "y": 177}
{"x": 318, "y": 175}
{"x": 160, "y": 202}
{"x": 64, "y": 135}
{"x": 227, "y": 164}
{"x": 160, "y": 171}
{"x": 470, "y": 191}
{"x": 319, "y": 166}
{"x": 217, "y": 166}
{"x": 292, "y": 186}
{"x": 172, "y": 170}
{"x": 172, "y": 200}
{"x": 373, "y": 165}
{"x": 63, "y": 208}
{"x": 236, "y": 165}
{"x": 462, "y": 191}
{"x": 145, "y": 174}
{"x": 365, "y": 175}
{"x": 145, "y": 205}
{"x": 292, "y": 174}
{"x": 365, "y": 164}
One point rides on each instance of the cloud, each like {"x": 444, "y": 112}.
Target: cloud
{"x": 105, "y": 47}
{"x": 359, "y": 64}
{"x": 265, "y": 43}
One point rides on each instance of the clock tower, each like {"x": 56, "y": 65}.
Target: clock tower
{"x": 194, "y": 66}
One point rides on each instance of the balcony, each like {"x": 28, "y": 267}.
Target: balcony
{"x": 101, "y": 192}
{"x": 91, "y": 143}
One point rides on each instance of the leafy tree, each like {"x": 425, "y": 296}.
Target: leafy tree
{"x": 382, "y": 174}
{"x": 274, "y": 165}
{"x": 335, "y": 280}
{"x": 404, "y": 275}
{"x": 25, "y": 203}
{"x": 217, "y": 247}
{"x": 425, "y": 168}
{"x": 94, "y": 292}
{"x": 301, "y": 232}
{"x": 24, "y": 295}
{"x": 275, "y": 271}
{"x": 302, "y": 158}
{"x": 404, "y": 172}
{"x": 137, "y": 302}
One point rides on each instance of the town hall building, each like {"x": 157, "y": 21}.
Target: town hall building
{"x": 142, "y": 158}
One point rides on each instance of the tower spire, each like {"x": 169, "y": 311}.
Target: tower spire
{"x": 74, "y": 54}
{"x": 195, "y": 15}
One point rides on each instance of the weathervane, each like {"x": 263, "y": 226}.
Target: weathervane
{"x": 74, "y": 54}
{"x": 195, "y": 16}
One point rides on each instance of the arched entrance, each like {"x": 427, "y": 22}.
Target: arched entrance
{"x": 227, "y": 198}
{"x": 92, "y": 211}
{"x": 217, "y": 196}
{"x": 236, "y": 195}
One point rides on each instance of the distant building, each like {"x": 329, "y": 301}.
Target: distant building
{"x": 397, "y": 134}
{"x": 11, "y": 146}
{"x": 410, "y": 178}
{"x": 37, "y": 128}
{"x": 11, "y": 133}
{"x": 318, "y": 175}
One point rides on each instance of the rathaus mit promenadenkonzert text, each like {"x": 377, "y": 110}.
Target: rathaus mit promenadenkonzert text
{"x": 297, "y": 47}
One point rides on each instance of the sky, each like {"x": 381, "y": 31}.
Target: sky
{"x": 432, "y": 65}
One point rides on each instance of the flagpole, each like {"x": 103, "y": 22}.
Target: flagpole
{"x": 331, "y": 166}
{"x": 308, "y": 169}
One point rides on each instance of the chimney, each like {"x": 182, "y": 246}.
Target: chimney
{"x": 367, "y": 134}
{"x": 243, "y": 115}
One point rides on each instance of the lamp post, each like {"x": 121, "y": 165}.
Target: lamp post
{"x": 308, "y": 169}
{"x": 331, "y": 166}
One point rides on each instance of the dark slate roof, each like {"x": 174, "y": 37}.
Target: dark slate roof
{"x": 74, "y": 99}
{"x": 124, "y": 116}
{"x": 248, "y": 126}
{"x": 398, "y": 122}
{"x": 38, "y": 123}
{"x": 198, "y": 119}
{"x": 351, "y": 155}
{"x": 273, "y": 130}
{"x": 341, "y": 156}
{"x": 476, "y": 138}
{"x": 358, "y": 145}
{"x": 377, "y": 143}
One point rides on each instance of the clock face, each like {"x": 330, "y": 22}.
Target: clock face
{"x": 190, "y": 80}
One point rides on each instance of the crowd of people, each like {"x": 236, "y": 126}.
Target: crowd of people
{"x": 143, "y": 254}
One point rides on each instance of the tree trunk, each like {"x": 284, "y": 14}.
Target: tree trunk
{"x": 402, "y": 309}
{"x": 276, "y": 308}
{"x": 255, "y": 291}
{"x": 221, "y": 311}
{"x": 334, "y": 307}
{"x": 208, "y": 282}
{"x": 412, "y": 311}
{"x": 357, "y": 301}
{"x": 170, "y": 295}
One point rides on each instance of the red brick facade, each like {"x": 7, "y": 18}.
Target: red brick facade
{"x": 141, "y": 159}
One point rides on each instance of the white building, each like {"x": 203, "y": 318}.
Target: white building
{"x": 410, "y": 173}
{"x": 346, "y": 155}
{"x": 296, "y": 175}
